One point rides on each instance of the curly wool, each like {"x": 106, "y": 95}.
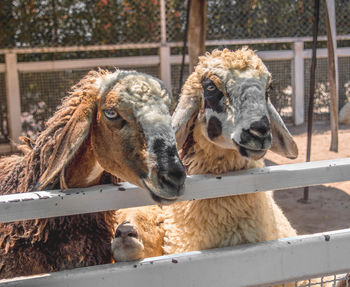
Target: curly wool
{"x": 47, "y": 245}
{"x": 228, "y": 221}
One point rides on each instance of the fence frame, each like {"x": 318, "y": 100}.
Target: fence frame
{"x": 290, "y": 259}
{"x": 41, "y": 204}
{"x": 164, "y": 60}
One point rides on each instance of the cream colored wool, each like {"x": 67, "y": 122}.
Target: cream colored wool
{"x": 226, "y": 221}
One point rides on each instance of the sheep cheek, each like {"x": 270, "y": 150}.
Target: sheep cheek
{"x": 109, "y": 148}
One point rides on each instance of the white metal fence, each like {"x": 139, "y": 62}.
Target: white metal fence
{"x": 260, "y": 264}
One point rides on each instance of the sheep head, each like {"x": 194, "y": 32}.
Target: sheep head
{"x": 125, "y": 117}
{"x": 227, "y": 97}
{"x": 139, "y": 233}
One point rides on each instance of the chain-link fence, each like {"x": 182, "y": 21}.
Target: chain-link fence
{"x": 42, "y": 92}
{"x": 321, "y": 97}
{"x": 336, "y": 280}
{"x": 4, "y": 131}
{"x": 281, "y": 92}
{"x": 43, "y": 23}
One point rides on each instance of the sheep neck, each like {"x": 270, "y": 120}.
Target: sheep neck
{"x": 205, "y": 157}
{"x": 84, "y": 170}
{"x": 213, "y": 220}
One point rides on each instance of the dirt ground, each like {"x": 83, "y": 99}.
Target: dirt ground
{"x": 329, "y": 204}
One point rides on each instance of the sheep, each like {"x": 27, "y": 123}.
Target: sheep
{"x": 139, "y": 233}
{"x": 344, "y": 114}
{"x": 116, "y": 122}
{"x": 345, "y": 282}
{"x": 225, "y": 122}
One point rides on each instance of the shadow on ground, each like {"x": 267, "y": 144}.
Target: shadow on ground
{"x": 328, "y": 209}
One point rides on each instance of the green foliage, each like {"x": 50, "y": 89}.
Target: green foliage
{"x": 37, "y": 23}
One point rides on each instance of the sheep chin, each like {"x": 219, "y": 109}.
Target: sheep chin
{"x": 157, "y": 196}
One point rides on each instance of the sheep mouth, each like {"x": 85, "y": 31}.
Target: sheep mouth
{"x": 250, "y": 153}
{"x": 157, "y": 197}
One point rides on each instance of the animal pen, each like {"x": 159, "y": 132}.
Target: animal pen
{"x": 260, "y": 264}
{"x": 34, "y": 78}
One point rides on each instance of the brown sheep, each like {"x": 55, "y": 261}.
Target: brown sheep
{"x": 345, "y": 282}
{"x": 111, "y": 122}
{"x": 139, "y": 233}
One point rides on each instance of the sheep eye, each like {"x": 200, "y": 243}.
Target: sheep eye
{"x": 266, "y": 95}
{"x": 110, "y": 114}
{"x": 268, "y": 90}
{"x": 132, "y": 234}
{"x": 211, "y": 88}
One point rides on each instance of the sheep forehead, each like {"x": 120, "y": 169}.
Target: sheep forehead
{"x": 140, "y": 90}
{"x": 239, "y": 59}
{"x": 226, "y": 80}
{"x": 228, "y": 64}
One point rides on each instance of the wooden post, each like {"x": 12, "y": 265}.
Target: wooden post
{"x": 164, "y": 51}
{"x": 13, "y": 98}
{"x": 332, "y": 72}
{"x": 298, "y": 83}
{"x": 305, "y": 199}
{"x": 196, "y": 31}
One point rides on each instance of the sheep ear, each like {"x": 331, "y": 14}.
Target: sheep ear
{"x": 184, "y": 116}
{"x": 68, "y": 143}
{"x": 282, "y": 141}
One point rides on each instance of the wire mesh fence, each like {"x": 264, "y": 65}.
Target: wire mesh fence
{"x": 175, "y": 78}
{"x": 261, "y": 19}
{"x": 344, "y": 80}
{"x": 321, "y": 97}
{"x": 43, "y": 23}
{"x": 42, "y": 92}
{"x": 39, "y": 23}
{"x": 281, "y": 92}
{"x": 4, "y": 132}
{"x": 335, "y": 280}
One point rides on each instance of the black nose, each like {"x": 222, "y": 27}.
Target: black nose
{"x": 126, "y": 229}
{"x": 175, "y": 175}
{"x": 260, "y": 128}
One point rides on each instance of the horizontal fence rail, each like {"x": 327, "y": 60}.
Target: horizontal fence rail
{"x": 170, "y": 44}
{"x": 263, "y": 263}
{"x": 109, "y": 197}
{"x": 257, "y": 264}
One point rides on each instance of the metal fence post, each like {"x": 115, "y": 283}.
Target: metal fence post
{"x": 13, "y": 97}
{"x": 298, "y": 83}
{"x": 164, "y": 51}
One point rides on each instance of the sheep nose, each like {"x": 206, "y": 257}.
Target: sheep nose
{"x": 174, "y": 177}
{"x": 260, "y": 129}
{"x": 126, "y": 229}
